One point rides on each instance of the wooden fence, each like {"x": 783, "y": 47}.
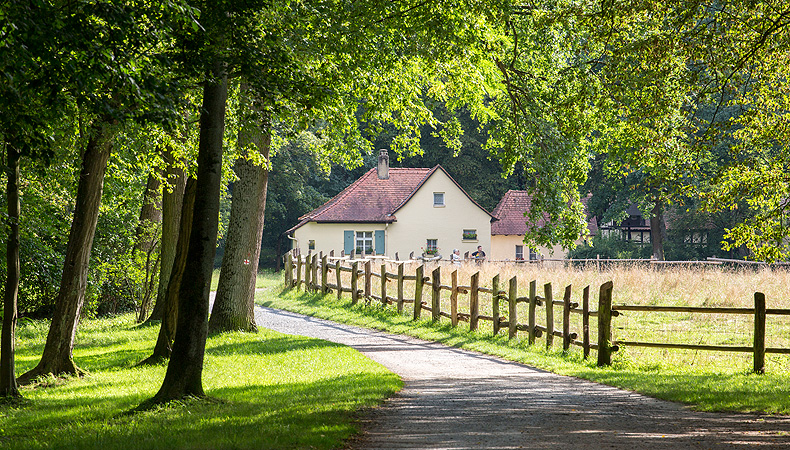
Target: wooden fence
{"x": 320, "y": 273}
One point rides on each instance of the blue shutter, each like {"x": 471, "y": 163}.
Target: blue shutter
{"x": 348, "y": 241}
{"x": 379, "y": 242}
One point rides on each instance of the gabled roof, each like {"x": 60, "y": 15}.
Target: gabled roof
{"x": 511, "y": 211}
{"x": 373, "y": 200}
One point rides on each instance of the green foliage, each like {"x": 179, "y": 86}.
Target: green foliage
{"x": 610, "y": 247}
{"x": 267, "y": 391}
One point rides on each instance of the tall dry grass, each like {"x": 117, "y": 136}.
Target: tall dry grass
{"x": 633, "y": 285}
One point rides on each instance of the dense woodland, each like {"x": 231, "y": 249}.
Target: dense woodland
{"x": 135, "y": 136}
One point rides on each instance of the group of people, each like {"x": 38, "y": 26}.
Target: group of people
{"x": 479, "y": 255}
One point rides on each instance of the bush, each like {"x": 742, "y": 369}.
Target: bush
{"x": 611, "y": 247}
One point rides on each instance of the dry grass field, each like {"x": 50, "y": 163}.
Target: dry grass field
{"x": 710, "y": 286}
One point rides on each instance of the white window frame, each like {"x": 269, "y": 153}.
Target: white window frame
{"x": 362, "y": 239}
{"x": 469, "y": 232}
{"x": 519, "y": 252}
{"x": 431, "y": 244}
{"x": 438, "y": 200}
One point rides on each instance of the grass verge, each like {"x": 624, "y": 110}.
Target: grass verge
{"x": 704, "y": 388}
{"x": 267, "y": 390}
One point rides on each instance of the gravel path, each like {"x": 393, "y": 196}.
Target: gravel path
{"x": 458, "y": 399}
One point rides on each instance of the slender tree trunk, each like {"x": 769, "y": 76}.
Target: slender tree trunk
{"x": 57, "y": 357}
{"x": 657, "y": 231}
{"x": 235, "y": 301}
{"x": 167, "y": 331}
{"x": 146, "y": 239}
{"x": 150, "y": 215}
{"x": 8, "y": 387}
{"x": 172, "y": 199}
{"x": 185, "y": 369}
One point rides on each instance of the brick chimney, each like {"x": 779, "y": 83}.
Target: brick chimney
{"x": 384, "y": 164}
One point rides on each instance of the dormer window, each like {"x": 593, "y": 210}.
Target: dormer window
{"x": 438, "y": 199}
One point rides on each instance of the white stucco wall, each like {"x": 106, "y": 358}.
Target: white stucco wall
{"x": 328, "y": 236}
{"x": 504, "y": 248}
{"x": 419, "y": 220}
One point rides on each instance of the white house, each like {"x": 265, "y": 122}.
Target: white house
{"x": 396, "y": 210}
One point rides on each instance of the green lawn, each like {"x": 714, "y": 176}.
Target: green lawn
{"x": 267, "y": 390}
{"x": 722, "y": 387}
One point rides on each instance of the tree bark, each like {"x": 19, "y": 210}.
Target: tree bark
{"x": 172, "y": 199}
{"x": 150, "y": 215}
{"x": 167, "y": 331}
{"x": 185, "y": 369}
{"x": 8, "y": 386}
{"x": 146, "y": 240}
{"x": 234, "y": 303}
{"x": 657, "y": 231}
{"x": 57, "y": 356}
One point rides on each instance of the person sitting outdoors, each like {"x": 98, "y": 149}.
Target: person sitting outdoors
{"x": 456, "y": 257}
{"x": 479, "y": 255}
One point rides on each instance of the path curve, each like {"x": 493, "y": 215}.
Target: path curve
{"x": 459, "y": 399}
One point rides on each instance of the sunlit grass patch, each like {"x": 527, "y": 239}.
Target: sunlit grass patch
{"x": 271, "y": 391}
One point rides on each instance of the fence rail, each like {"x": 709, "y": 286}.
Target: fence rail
{"x": 303, "y": 272}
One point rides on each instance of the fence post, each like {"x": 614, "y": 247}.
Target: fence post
{"x": 586, "y": 321}
{"x": 436, "y": 279}
{"x": 354, "y": 275}
{"x": 533, "y": 302}
{"x": 298, "y": 271}
{"x": 308, "y": 271}
{"x": 549, "y": 315}
{"x": 454, "y": 299}
{"x": 288, "y": 271}
{"x": 511, "y": 308}
{"x": 324, "y": 273}
{"x": 368, "y": 269}
{"x": 759, "y": 332}
{"x": 474, "y": 301}
{"x": 314, "y": 266}
{"x": 566, "y": 319}
{"x": 400, "y": 288}
{"x": 418, "y": 284}
{"x": 384, "y": 284}
{"x": 339, "y": 275}
{"x": 605, "y": 324}
{"x": 495, "y": 303}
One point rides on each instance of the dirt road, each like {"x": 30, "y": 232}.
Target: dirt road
{"x": 457, "y": 399}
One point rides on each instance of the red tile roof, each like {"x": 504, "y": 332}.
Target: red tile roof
{"x": 511, "y": 211}
{"x": 370, "y": 199}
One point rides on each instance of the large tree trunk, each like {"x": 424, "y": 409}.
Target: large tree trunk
{"x": 185, "y": 369}
{"x": 8, "y": 387}
{"x": 167, "y": 331}
{"x": 57, "y": 357}
{"x": 657, "y": 231}
{"x": 235, "y": 301}
{"x": 146, "y": 240}
{"x": 172, "y": 199}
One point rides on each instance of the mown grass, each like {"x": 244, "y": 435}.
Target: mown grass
{"x": 710, "y": 381}
{"x": 267, "y": 390}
